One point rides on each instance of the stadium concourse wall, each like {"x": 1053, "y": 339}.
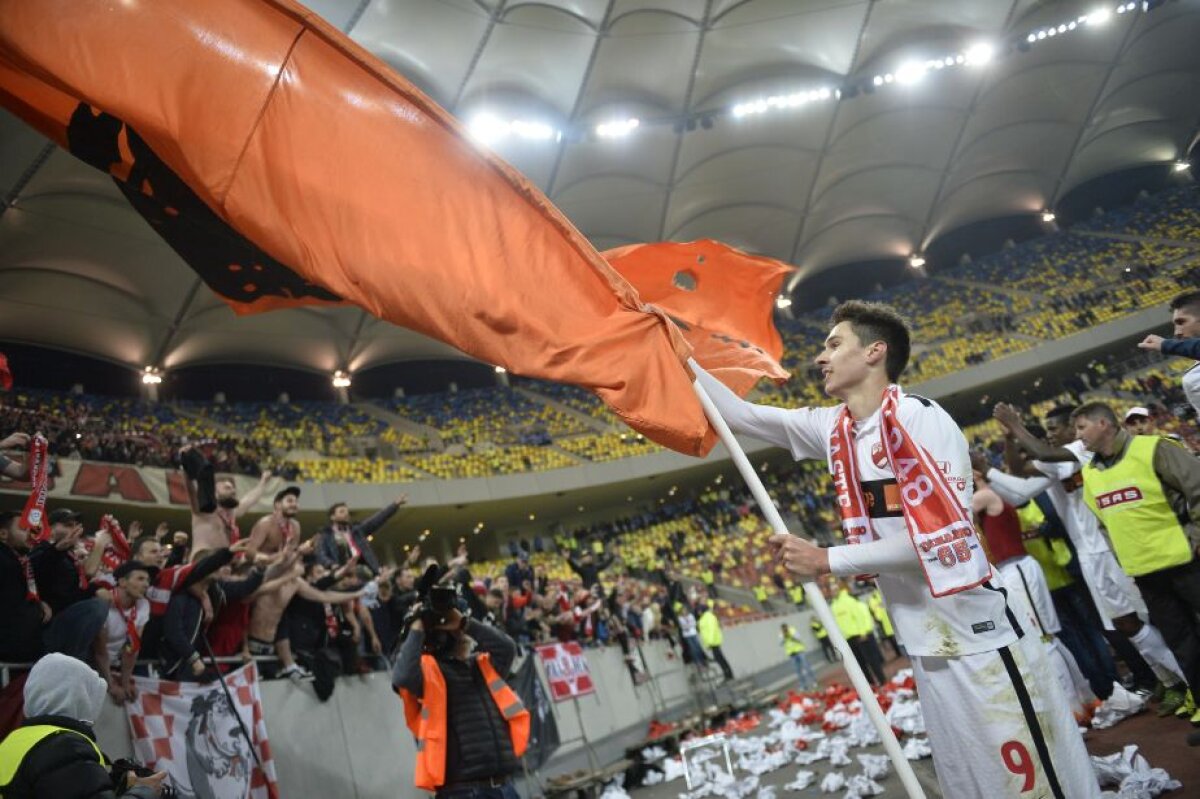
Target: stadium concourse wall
{"x": 356, "y": 746}
{"x": 110, "y": 483}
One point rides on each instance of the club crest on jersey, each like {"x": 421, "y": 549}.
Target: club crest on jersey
{"x": 878, "y": 456}
{"x": 1119, "y": 497}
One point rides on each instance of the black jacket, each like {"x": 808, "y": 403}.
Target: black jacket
{"x": 64, "y": 766}
{"x": 478, "y": 744}
{"x": 589, "y": 573}
{"x": 327, "y": 547}
{"x": 20, "y": 618}
{"x": 181, "y": 628}
{"x": 57, "y": 577}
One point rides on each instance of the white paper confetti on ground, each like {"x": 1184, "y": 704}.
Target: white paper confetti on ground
{"x": 1132, "y": 775}
{"x": 802, "y": 781}
{"x": 874, "y": 767}
{"x": 833, "y": 782}
{"x": 917, "y": 749}
{"x": 860, "y": 785}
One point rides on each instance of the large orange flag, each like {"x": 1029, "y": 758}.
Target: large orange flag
{"x": 720, "y": 297}
{"x": 289, "y": 166}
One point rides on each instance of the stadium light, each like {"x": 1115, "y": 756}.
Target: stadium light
{"x": 489, "y": 128}
{"x": 782, "y": 302}
{"x": 151, "y": 376}
{"x": 500, "y": 370}
{"x": 1180, "y": 166}
{"x": 1048, "y": 215}
{"x": 1100, "y": 16}
{"x": 916, "y": 260}
{"x": 341, "y": 379}
{"x": 910, "y": 72}
{"x": 979, "y": 54}
{"x": 617, "y": 129}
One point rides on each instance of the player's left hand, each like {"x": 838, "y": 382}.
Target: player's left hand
{"x": 798, "y": 555}
{"x": 1152, "y": 343}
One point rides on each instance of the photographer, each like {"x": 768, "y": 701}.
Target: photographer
{"x": 469, "y": 724}
{"x": 54, "y": 754}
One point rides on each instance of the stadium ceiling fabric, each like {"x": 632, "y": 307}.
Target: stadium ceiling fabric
{"x": 808, "y": 177}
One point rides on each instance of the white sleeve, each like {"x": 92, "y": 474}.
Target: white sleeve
{"x": 804, "y": 431}
{"x": 885, "y": 556}
{"x": 1015, "y": 490}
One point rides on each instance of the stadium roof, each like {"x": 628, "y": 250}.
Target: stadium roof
{"x": 821, "y": 132}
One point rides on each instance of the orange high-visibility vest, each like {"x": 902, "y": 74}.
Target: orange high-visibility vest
{"x": 426, "y": 717}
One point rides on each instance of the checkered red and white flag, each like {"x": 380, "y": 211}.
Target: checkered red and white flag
{"x": 189, "y": 731}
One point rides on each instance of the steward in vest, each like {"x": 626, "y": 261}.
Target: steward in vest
{"x": 1146, "y": 491}
{"x": 54, "y": 752}
{"x": 709, "y": 578}
{"x": 470, "y": 726}
{"x": 880, "y": 614}
{"x": 760, "y": 593}
{"x": 795, "y": 592}
{"x": 858, "y": 627}
{"x": 822, "y": 636}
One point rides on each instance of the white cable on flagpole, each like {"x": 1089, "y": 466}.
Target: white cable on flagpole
{"x": 857, "y": 678}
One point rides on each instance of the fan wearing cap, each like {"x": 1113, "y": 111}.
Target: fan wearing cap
{"x": 127, "y": 617}
{"x": 1138, "y": 421}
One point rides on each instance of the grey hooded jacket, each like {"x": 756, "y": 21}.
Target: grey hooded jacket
{"x": 65, "y": 692}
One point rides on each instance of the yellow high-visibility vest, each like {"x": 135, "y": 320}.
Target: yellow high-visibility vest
{"x": 21, "y": 741}
{"x": 1129, "y": 498}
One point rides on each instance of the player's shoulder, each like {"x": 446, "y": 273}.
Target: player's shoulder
{"x": 916, "y": 406}
{"x": 822, "y": 416}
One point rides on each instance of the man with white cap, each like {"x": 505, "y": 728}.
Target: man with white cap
{"x": 54, "y": 752}
{"x": 1138, "y": 421}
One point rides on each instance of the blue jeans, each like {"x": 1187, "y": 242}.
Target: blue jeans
{"x": 808, "y": 678}
{"x": 73, "y": 631}
{"x": 1083, "y": 636}
{"x": 505, "y": 791}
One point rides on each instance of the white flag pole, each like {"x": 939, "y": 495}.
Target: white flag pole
{"x": 857, "y": 678}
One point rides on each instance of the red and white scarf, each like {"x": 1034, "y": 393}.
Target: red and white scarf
{"x": 33, "y": 518}
{"x": 940, "y": 530}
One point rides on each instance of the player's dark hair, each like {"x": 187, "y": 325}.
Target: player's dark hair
{"x": 1188, "y": 299}
{"x": 1060, "y": 412}
{"x": 875, "y": 321}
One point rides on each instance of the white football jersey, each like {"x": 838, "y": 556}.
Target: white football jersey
{"x": 965, "y": 623}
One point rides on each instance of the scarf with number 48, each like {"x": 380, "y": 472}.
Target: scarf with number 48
{"x": 940, "y": 530}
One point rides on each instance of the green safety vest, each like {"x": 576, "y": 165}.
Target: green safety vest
{"x": 1052, "y": 554}
{"x": 819, "y": 630}
{"x": 853, "y": 617}
{"x": 22, "y": 740}
{"x": 1129, "y": 499}
{"x": 760, "y": 593}
{"x": 791, "y": 644}
{"x": 879, "y": 611}
{"x": 797, "y": 594}
{"x": 707, "y": 577}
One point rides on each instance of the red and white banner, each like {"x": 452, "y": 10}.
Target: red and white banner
{"x": 189, "y": 730}
{"x": 566, "y": 670}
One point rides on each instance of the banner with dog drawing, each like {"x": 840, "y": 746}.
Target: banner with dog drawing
{"x": 192, "y": 731}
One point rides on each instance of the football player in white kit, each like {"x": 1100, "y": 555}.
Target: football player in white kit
{"x": 998, "y": 722}
{"x": 1118, "y": 600}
